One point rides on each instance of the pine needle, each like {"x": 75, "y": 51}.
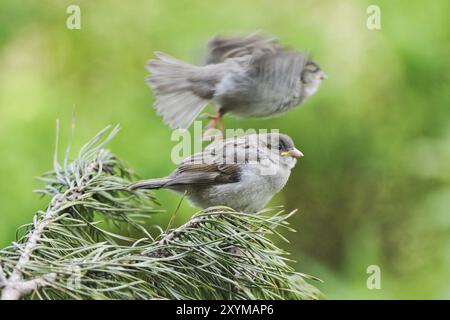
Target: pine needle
{"x": 69, "y": 251}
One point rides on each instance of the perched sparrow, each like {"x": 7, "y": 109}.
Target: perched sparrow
{"x": 248, "y": 76}
{"x": 242, "y": 173}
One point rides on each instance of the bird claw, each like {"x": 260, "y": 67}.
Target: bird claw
{"x": 215, "y": 129}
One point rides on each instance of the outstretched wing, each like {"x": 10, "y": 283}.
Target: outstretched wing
{"x": 222, "y": 48}
{"x": 277, "y": 76}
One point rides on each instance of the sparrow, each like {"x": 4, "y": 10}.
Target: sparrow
{"x": 242, "y": 173}
{"x": 250, "y": 76}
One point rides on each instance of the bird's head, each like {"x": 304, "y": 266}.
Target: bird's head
{"x": 283, "y": 146}
{"x": 311, "y": 77}
{"x": 312, "y": 72}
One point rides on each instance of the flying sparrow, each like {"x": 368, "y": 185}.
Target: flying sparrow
{"x": 242, "y": 173}
{"x": 249, "y": 76}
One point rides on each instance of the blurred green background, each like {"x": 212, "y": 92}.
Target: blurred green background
{"x": 374, "y": 185}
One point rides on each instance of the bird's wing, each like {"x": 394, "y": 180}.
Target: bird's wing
{"x": 220, "y": 162}
{"x": 222, "y": 48}
{"x": 277, "y": 75}
{"x": 204, "y": 173}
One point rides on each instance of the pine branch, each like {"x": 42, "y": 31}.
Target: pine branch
{"x": 68, "y": 252}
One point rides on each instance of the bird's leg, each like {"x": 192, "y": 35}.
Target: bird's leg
{"x": 216, "y": 121}
{"x": 215, "y": 127}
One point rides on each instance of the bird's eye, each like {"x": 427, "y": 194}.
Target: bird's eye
{"x": 280, "y": 147}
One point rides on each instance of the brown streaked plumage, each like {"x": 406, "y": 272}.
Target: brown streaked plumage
{"x": 242, "y": 173}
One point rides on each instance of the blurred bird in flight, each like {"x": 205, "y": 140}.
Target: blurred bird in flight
{"x": 249, "y": 76}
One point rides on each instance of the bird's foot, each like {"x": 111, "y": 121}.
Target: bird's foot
{"x": 215, "y": 128}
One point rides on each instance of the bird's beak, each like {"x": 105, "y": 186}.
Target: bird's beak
{"x": 294, "y": 153}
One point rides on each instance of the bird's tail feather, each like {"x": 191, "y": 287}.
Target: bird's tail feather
{"x": 150, "y": 184}
{"x": 175, "y": 100}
